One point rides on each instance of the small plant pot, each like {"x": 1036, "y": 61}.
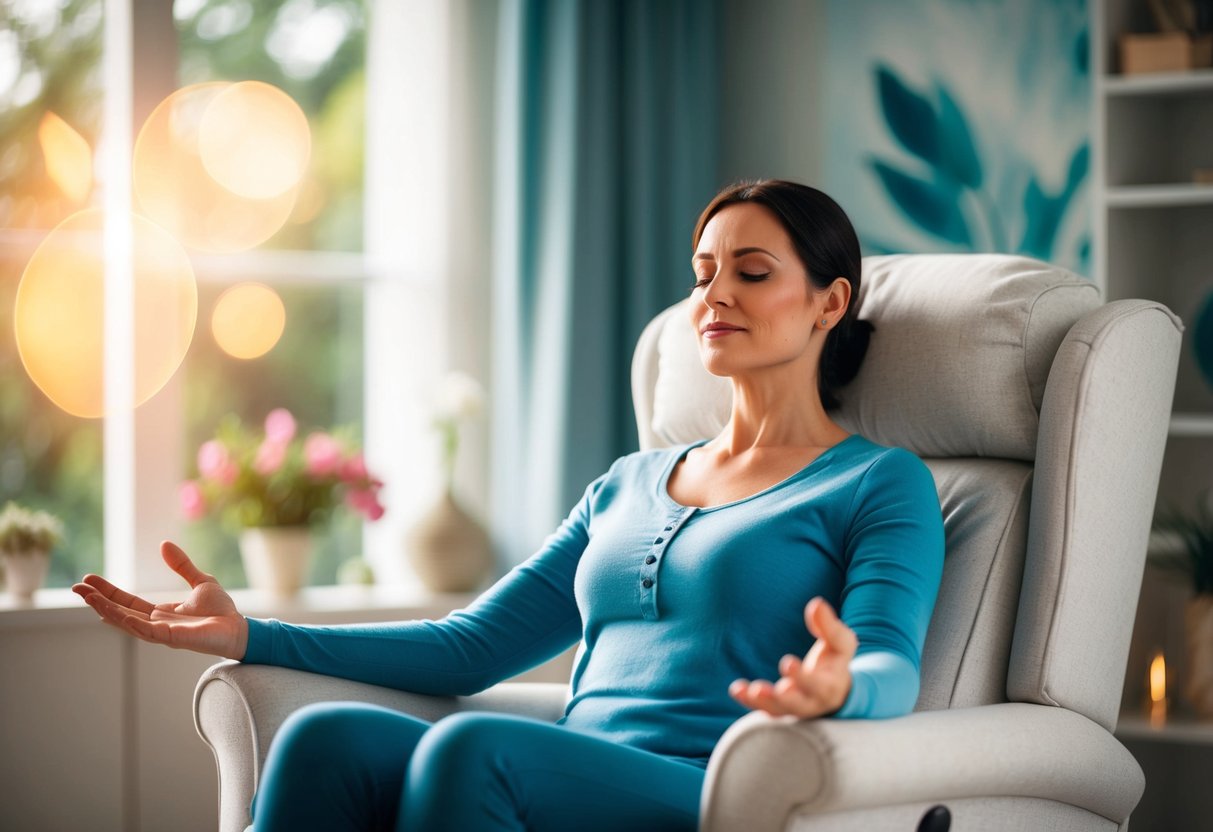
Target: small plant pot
{"x": 277, "y": 559}
{"x": 25, "y": 572}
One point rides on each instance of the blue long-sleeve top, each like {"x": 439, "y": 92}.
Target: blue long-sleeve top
{"x": 671, "y": 603}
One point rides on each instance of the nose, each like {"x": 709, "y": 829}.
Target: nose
{"x": 717, "y": 293}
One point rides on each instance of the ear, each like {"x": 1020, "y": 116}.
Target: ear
{"x": 838, "y": 297}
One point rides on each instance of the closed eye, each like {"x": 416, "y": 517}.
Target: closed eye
{"x": 748, "y": 277}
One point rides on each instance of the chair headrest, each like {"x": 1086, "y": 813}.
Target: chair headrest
{"x": 957, "y": 365}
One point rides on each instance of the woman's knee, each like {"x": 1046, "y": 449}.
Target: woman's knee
{"x": 317, "y": 732}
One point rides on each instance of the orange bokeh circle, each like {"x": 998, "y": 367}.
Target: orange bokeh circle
{"x": 248, "y": 320}
{"x": 175, "y": 189}
{"x": 58, "y": 317}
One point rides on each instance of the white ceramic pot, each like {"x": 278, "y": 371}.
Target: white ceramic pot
{"x": 26, "y": 572}
{"x": 276, "y": 558}
{"x": 1198, "y": 626}
{"x": 448, "y": 549}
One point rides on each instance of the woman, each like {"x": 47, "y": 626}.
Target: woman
{"x": 683, "y": 572}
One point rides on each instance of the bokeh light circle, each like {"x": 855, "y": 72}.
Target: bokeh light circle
{"x": 69, "y": 159}
{"x": 58, "y": 317}
{"x": 248, "y": 320}
{"x": 254, "y": 140}
{"x": 175, "y": 189}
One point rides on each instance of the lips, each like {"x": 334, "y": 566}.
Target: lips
{"x": 718, "y": 329}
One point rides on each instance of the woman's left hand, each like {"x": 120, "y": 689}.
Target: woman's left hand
{"x": 816, "y": 686}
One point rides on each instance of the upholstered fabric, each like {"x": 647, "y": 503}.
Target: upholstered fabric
{"x": 833, "y": 765}
{"x": 1006, "y": 315}
{"x": 985, "y": 509}
{"x": 1097, "y": 473}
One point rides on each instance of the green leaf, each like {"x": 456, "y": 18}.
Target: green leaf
{"x": 957, "y": 151}
{"x": 910, "y": 116}
{"x": 932, "y": 206}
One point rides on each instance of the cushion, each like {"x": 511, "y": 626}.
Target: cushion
{"x": 957, "y": 365}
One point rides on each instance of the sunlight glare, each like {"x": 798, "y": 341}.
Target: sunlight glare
{"x": 254, "y": 140}
{"x": 248, "y": 320}
{"x": 69, "y": 159}
{"x": 175, "y": 190}
{"x": 58, "y": 317}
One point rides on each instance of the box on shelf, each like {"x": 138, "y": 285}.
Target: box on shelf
{"x": 1164, "y": 52}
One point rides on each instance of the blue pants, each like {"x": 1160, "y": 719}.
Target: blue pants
{"x": 351, "y": 766}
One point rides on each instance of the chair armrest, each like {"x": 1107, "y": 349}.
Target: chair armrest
{"x": 764, "y": 769}
{"x": 239, "y": 707}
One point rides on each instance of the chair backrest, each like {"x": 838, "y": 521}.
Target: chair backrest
{"x": 1042, "y": 415}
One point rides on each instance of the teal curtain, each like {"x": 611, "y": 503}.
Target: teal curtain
{"x": 605, "y": 154}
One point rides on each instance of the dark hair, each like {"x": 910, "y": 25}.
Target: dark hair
{"x": 826, "y": 243}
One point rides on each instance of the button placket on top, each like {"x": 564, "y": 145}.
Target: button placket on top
{"x": 653, "y": 558}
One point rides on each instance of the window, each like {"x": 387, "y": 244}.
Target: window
{"x": 115, "y": 481}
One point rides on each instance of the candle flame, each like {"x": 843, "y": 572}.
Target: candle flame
{"x": 1158, "y": 678}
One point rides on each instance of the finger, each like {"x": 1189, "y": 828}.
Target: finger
{"x": 823, "y": 623}
{"x": 790, "y": 665}
{"x": 179, "y": 562}
{"x": 115, "y": 595}
{"x": 110, "y": 611}
{"x": 762, "y": 694}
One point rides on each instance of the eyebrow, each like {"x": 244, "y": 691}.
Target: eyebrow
{"x": 741, "y": 252}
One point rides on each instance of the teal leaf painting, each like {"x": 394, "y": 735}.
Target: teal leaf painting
{"x": 958, "y": 154}
{"x": 1202, "y": 339}
{"x": 1044, "y": 212}
{"x": 933, "y": 205}
{"x": 910, "y": 116}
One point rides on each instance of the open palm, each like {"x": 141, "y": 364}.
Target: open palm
{"x": 814, "y": 686}
{"x": 207, "y": 621}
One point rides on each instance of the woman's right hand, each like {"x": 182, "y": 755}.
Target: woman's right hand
{"x": 206, "y": 621}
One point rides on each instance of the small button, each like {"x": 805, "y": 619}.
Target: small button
{"x": 658, "y": 540}
{"x": 667, "y": 528}
{"x": 646, "y": 583}
{"x": 650, "y": 559}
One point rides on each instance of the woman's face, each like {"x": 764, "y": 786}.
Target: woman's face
{"x": 753, "y": 306}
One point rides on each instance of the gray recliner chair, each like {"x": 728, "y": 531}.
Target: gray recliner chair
{"x": 1043, "y": 415}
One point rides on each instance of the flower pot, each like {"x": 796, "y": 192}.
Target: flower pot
{"x": 25, "y": 572}
{"x": 448, "y": 549}
{"x": 1198, "y": 626}
{"x": 276, "y": 558}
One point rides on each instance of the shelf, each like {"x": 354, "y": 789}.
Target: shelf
{"x": 1159, "y": 83}
{"x": 1191, "y": 424}
{"x": 1159, "y": 196}
{"x": 1178, "y": 729}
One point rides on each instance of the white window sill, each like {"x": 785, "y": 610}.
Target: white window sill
{"x": 314, "y": 605}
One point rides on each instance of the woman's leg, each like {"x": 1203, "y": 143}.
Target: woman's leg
{"x": 473, "y": 771}
{"x": 336, "y": 766}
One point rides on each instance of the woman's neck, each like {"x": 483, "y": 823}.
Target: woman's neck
{"x": 776, "y": 415}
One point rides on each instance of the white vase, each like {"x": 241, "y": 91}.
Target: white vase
{"x": 25, "y": 572}
{"x": 276, "y": 558}
{"x": 448, "y": 549}
{"x": 1198, "y": 627}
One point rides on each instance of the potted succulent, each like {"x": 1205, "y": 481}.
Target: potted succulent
{"x": 26, "y": 540}
{"x": 1182, "y": 543}
{"x": 272, "y": 487}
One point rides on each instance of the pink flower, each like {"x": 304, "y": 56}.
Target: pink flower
{"x": 322, "y": 453}
{"x": 270, "y": 456}
{"x": 215, "y": 463}
{"x": 279, "y": 426}
{"x": 365, "y": 502}
{"x": 354, "y": 469}
{"x": 193, "y": 503}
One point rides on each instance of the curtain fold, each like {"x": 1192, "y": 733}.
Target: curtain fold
{"x": 605, "y": 154}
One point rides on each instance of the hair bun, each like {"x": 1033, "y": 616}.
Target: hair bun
{"x": 843, "y": 356}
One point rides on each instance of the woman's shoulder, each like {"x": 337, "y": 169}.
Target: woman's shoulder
{"x": 878, "y": 463}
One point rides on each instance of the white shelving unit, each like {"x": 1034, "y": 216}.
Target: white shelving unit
{"x": 1152, "y": 237}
